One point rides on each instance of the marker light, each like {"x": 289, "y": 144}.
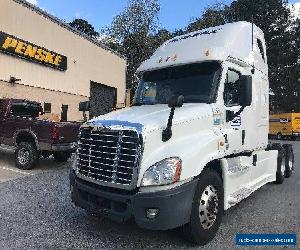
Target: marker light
{"x": 207, "y": 52}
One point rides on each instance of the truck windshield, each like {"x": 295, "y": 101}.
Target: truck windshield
{"x": 197, "y": 82}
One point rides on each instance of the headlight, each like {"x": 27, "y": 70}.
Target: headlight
{"x": 74, "y": 162}
{"x": 162, "y": 173}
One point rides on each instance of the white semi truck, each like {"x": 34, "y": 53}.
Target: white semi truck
{"x": 195, "y": 141}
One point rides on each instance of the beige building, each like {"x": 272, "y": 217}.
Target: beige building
{"x": 45, "y": 60}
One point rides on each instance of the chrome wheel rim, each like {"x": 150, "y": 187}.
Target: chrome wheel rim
{"x": 208, "y": 207}
{"x": 23, "y": 156}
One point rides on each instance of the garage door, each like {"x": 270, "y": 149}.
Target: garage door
{"x": 103, "y": 99}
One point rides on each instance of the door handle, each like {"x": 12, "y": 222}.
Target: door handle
{"x": 243, "y": 136}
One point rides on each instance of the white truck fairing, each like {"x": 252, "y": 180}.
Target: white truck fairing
{"x": 232, "y": 41}
{"x": 199, "y": 123}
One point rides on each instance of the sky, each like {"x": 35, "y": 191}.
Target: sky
{"x": 174, "y": 14}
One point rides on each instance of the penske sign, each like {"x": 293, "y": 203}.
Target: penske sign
{"x": 29, "y": 51}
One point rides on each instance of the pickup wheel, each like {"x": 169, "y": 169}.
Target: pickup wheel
{"x": 61, "y": 156}
{"x": 207, "y": 209}
{"x": 289, "y": 160}
{"x": 26, "y": 156}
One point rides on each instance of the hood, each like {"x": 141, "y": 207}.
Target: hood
{"x": 147, "y": 118}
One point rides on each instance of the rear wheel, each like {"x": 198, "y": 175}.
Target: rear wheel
{"x": 280, "y": 163}
{"x": 61, "y": 156}
{"x": 207, "y": 209}
{"x": 26, "y": 156}
{"x": 289, "y": 160}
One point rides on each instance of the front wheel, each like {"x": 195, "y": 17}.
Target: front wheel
{"x": 207, "y": 209}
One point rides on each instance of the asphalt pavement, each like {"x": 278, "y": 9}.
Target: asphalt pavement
{"x": 36, "y": 213}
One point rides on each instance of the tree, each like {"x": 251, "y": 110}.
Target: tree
{"x": 140, "y": 16}
{"x": 160, "y": 37}
{"x": 213, "y": 16}
{"x": 133, "y": 30}
{"x": 137, "y": 48}
{"x": 85, "y": 27}
{"x": 293, "y": 71}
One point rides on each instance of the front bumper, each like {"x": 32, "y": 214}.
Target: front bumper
{"x": 71, "y": 147}
{"x": 174, "y": 205}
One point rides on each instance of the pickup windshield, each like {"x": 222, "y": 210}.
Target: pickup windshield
{"x": 196, "y": 82}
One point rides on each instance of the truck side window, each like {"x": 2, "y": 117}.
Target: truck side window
{"x": 232, "y": 89}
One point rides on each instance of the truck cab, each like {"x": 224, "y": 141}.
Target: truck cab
{"x": 195, "y": 141}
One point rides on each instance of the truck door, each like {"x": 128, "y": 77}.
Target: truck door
{"x": 233, "y": 129}
{"x": 13, "y": 121}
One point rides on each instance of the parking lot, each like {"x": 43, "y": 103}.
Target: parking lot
{"x": 36, "y": 213}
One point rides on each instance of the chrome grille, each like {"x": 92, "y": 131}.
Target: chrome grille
{"x": 109, "y": 156}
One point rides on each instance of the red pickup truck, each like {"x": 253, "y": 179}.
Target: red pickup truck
{"x": 21, "y": 127}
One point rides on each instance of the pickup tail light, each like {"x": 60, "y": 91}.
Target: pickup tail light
{"x": 54, "y": 133}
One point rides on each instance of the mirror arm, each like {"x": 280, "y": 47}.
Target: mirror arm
{"x": 236, "y": 114}
{"x": 239, "y": 112}
{"x": 167, "y": 132}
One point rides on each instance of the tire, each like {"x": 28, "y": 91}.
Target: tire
{"x": 26, "y": 156}
{"x": 280, "y": 162}
{"x": 61, "y": 156}
{"x": 200, "y": 230}
{"x": 289, "y": 160}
